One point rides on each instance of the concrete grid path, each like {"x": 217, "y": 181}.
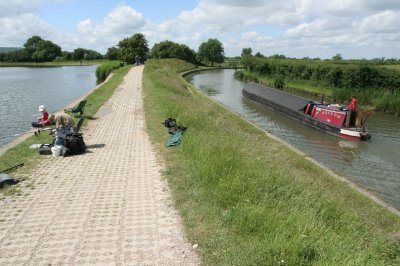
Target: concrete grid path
{"x": 109, "y": 206}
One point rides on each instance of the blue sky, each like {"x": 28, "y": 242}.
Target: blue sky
{"x": 295, "y": 28}
{"x": 67, "y": 14}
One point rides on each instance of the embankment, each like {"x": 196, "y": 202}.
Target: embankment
{"x": 248, "y": 199}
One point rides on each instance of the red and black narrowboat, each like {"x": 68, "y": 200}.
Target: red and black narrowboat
{"x": 331, "y": 118}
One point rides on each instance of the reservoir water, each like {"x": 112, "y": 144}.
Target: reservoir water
{"x": 373, "y": 165}
{"x": 23, "y": 89}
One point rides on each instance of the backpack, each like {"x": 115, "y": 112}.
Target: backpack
{"x": 75, "y": 144}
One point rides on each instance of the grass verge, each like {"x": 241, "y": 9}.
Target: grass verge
{"x": 21, "y": 153}
{"x": 247, "y": 199}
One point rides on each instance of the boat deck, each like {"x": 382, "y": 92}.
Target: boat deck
{"x": 289, "y": 101}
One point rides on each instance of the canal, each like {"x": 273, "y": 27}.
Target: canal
{"x": 373, "y": 165}
{"x": 23, "y": 89}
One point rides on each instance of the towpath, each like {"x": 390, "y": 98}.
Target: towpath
{"x": 109, "y": 206}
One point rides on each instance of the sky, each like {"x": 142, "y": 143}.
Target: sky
{"x": 355, "y": 29}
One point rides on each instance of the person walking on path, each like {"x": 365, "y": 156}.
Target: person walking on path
{"x": 109, "y": 206}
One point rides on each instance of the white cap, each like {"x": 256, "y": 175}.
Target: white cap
{"x": 42, "y": 108}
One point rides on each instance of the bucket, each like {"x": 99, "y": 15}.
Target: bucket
{"x": 56, "y": 150}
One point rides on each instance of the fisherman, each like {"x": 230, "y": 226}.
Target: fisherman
{"x": 64, "y": 125}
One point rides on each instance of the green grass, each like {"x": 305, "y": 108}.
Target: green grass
{"x": 247, "y": 199}
{"x": 395, "y": 67}
{"x": 21, "y": 153}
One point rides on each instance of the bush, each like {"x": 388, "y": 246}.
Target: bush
{"x": 105, "y": 69}
{"x": 279, "y": 81}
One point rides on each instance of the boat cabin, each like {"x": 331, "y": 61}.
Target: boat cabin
{"x": 334, "y": 114}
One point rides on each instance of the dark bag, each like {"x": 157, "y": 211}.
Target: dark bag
{"x": 37, "y": 124}
{"x": 74, "y": 144}
{"x": 45, "y": 149}
{"x": 172, "y": 126}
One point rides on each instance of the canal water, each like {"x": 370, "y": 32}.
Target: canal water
{"x": 23, "y": 89}
{"x": 373, "y": 165}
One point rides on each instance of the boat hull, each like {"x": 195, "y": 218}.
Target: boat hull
{"x": 293, "y": 106}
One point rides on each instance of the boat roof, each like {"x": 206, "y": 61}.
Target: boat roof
{"x": 279, "y": 97}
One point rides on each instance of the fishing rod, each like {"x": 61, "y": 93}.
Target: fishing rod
{"x": 13, "y": 167}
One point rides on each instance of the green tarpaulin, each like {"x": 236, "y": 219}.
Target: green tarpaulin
{"x": 175, "y": 138}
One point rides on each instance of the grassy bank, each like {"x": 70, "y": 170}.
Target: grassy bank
{"x": 21, "y": 153}
{"x": 247, "y": 199}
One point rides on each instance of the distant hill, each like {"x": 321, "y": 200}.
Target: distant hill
{"x": 9, "y": 49}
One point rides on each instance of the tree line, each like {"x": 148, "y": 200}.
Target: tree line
{"x": 358, "y": 75}
{"x": 130, "y": 50}
{"x": 38, "y": 50}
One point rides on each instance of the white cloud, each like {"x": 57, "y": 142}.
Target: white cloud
{"x": 85, "y": 26}
{"x": 18, "y": 7}
{"x": 384, "y": 22}
{"x": 293, "y": 27}
{"x": 16, "y": 30}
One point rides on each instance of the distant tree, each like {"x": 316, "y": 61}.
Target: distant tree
{"x": 78, "y": 54}
{"x": 168, "y": 49}
{"x": 85, "y": 54}
{"x": 188, "y": 54}
{"x": 32, "y": 44}
{"x": 17, "y": 56}
{"x": 278, "y": 56}
{"x": 92, "y": 55}
{"x": 113, "y": 53}
{"x": 247, "y": 56}
{"x": 246, "y": 52}
{"x": 41, "y": 50}
{"x": 67, "y": 55}
{"x": 337, "y": 57}
{"x": 133, "y": 47}
{"x": 211, "y": 51}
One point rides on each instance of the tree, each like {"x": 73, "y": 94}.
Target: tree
{"x": 32, "y": 44}
{"x": 41, "y": 50}
{"x": 337, "y": 57}
{"x": 211, "y": 51}
{"x": 133, "y": 47}
{"x": 112, "y": 53}
{"x": 246, "y": 57}
{"x": 78, "y": 54}
{"x": 168, "y": 49}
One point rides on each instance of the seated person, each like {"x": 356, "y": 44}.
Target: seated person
{"x": 41, "y": 121}
{"x": 64, "y": 125}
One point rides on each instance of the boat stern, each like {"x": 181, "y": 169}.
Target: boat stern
{"x": 356, "y": 134}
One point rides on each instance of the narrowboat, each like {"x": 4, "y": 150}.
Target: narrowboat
{"x": 331, "y": 118}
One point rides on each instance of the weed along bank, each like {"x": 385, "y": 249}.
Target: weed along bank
{"x": 248, "y": 199}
